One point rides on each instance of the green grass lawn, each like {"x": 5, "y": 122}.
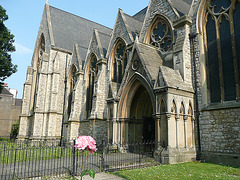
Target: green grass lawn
{"x": 190, "y": 170}
{"x": 18, "y": 152}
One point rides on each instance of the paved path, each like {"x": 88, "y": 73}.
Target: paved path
{"x": 98, "y": 176}
{"x": 102, "y": 176}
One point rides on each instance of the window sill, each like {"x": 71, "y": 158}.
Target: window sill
{"x": 224, "y": 105}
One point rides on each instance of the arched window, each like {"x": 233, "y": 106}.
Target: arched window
{"x": 92, "y": 72}
{"x": 119, "y": 57}
{"x": 160, "y": 34}
{"x": 42, "y": 43}
{"x": 38, "y": 67}
{"x": 72, "y": 83}
{"x": 222, "y": 39}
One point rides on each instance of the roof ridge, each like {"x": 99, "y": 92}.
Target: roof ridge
{"x": 140, "y": 11}
{"x": 103, "y": 33}
{"x": 79, "y": 17}
{"x": 132, "y": 17}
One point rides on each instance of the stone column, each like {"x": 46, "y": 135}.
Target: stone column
{"x": 185, "y": 118}
{"x": 157, "y": 119}
{"x": 169, "y": 129}
{"x": 126, "y": 126}
{"x": 177, "y": 117}
{"x": 193, "y": 135}
{"x": 116, "y": 133}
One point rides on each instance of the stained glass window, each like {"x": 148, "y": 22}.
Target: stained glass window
{"x": 161, "y": 35}
{"x": 92, "y": 72}
{"x": 213, "y": 61}
{"x": 223, "y": 53}
{"x": 120, "y": 61}
{"x": 72, "y": 83}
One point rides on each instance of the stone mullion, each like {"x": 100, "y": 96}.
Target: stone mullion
{"x": 115, "y": 125}
{"x": 207, "y": 63}
{"x": 219, "y": 59}
{"x": 234, "y": 51}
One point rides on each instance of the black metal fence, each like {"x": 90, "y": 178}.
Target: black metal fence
{"x": 41, "y": 159}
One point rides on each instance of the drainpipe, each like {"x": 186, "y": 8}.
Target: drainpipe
{"x": 64, "y": 97}
{"x": 192, "y": 37}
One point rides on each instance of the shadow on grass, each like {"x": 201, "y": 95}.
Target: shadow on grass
{"x": 220, "y": 164}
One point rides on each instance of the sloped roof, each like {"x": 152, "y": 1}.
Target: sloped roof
{"x": 104, "y": 39}
{"x": 5, "y": 91}
{"x": 173, "y": 79}
{"x": 182, "y": 6}
{"x": 151, "y": 58}
{"x": 133, "y": 24}
{"x": 140, "y": 16}
{"x": 69, "y": 29}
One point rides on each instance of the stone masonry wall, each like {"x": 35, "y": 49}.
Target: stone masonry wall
{"x": 219, "y": 131}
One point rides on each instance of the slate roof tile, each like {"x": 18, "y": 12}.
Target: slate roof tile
{"x": 69, "y": 29}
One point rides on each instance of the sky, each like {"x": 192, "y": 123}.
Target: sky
{"x": 25, "y": 17}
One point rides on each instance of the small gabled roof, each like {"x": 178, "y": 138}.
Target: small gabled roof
{"x": 76, "y": 59}
{"x": 125, "y": 33}
{"x": 69, "y": 29}
{"x": 172, "y": 78}
{"x": 5, "y": 91}
{"x": 133, "y": 24}
{"x": 151, "y": 58}
{"x": 140, "y": 16}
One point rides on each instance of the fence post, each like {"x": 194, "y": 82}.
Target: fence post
{"x": 102, "y": 158}
{"x": 139, "y": 155}
{"x": 74, "y": 151}
{"x": 14, "y": 163}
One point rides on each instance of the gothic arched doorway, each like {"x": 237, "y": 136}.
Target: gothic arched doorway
{"x": 141, "y": 124}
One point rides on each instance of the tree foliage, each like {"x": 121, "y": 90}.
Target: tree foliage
{"x": 6, "y": 47}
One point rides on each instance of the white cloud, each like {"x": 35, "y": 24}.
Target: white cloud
{"x": 22, "y": 50}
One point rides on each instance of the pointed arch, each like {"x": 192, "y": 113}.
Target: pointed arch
{"x": 190, "y": 109}
{"x": 173, "y": 107}
{"x": 129, "y": 90}
{"x": 37, "y": 65}
{"x": 118, "y": 60}
{"x": 182, "y": 108}
{"x": 218, "y": 22}
{"x": 160, "y": 33}
{"x": 72, "y": 80}
{"x": 163, "y": 107}
{"x": 91, "y": 71}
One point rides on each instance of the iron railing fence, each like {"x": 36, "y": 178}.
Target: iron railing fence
{"x": 22, "y": 160}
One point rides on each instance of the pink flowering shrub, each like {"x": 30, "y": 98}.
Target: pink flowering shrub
{"x": 86, "y": 142}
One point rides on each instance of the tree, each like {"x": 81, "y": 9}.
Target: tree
{"x": 6, "y": 46}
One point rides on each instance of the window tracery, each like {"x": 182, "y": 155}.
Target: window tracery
{"x": 120, "y": 61}
{"x": 161, "y": 35}
{"x": 72, "y": 84}
{"x": 92, "y": 73}
{"x": 221, "y": 32}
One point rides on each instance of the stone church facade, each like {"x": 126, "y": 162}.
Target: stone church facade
{"x": 169, "y": 73}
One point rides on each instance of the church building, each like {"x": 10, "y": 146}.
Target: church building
{"x": 168, "y": 74}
